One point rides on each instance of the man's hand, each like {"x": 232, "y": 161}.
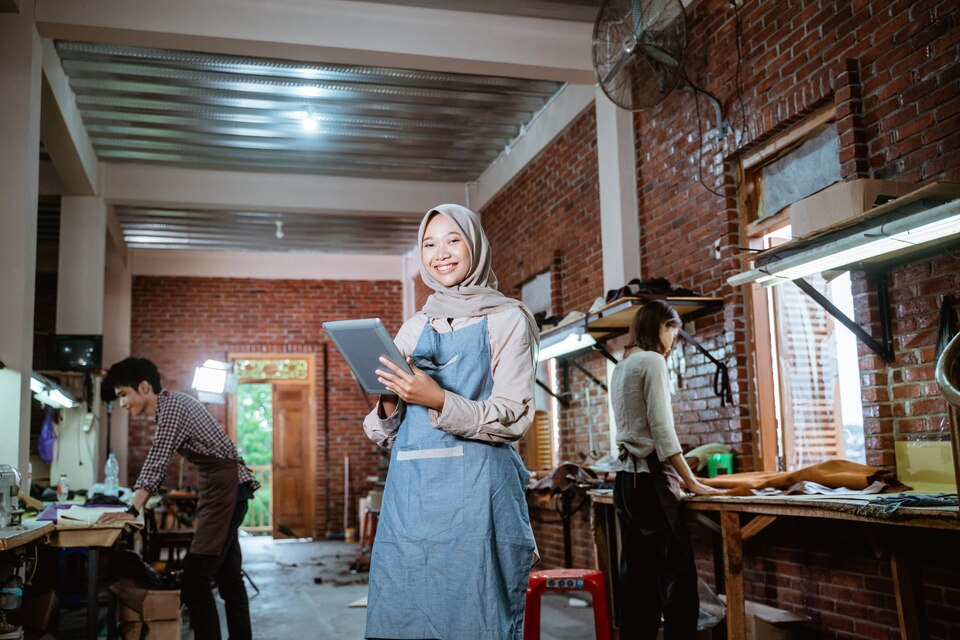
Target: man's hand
{"x": 116, "y": 516}
{"x": 418, "y": 388}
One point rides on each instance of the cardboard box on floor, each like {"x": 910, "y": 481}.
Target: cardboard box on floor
{"x": 769, "y": 623}
{"x": 148, "y": 604}
{"x": 151, "y": 614}
{"x": 841, "y": 201}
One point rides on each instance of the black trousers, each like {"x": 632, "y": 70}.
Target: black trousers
{"x": 658, "y": 576}
{"x": 199, "y": 571}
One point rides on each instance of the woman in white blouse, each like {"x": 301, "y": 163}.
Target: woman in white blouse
{"x": 658, "y": 576}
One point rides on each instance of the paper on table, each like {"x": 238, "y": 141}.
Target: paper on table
{"x": 89, "y": 515}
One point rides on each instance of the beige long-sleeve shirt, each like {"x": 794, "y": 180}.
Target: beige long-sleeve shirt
{"x": 640, "y": 389}
{"x": 503, "y": 417}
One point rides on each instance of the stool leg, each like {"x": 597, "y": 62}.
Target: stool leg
{"x": 601, "y": 616}
{"x": 531, "y": 614}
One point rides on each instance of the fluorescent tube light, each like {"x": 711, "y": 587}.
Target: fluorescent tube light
{"x": 891, "y": 238}
{"x": 50, "y": 393}
{"x": 570, "y": 344}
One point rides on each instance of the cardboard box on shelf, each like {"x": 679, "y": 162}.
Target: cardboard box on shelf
{"x": 841, "y": 201}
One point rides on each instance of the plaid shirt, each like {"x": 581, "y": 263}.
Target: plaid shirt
{"x": 183, "y": 424}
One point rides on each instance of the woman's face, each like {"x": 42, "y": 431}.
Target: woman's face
{"x": 668, "y": 337}
{"x": 444, "y": 251}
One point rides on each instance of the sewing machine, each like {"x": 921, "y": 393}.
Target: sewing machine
{"x": 9, "y": 488}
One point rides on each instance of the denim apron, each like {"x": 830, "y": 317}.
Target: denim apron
{"x": 453, "y": 547}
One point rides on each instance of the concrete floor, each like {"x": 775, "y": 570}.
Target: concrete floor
{"x": 292, "y": 605}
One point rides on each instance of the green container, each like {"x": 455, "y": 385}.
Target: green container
{"x": 719, "y": 464}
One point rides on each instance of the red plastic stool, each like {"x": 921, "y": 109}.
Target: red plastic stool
{"x": 566, "y": 580}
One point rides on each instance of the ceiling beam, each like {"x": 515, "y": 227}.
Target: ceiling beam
{"x": 335, "y": 31}
{"x": 167, "y": 187}
{"x": 62, "y": 131}
{"x": 270, "y": 266}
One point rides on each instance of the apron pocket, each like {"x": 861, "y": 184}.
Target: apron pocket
{"x": 431, "y": 501}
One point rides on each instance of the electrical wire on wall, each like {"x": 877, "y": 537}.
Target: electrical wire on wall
{"x": 696, "y": 101}
{"x": 744, "y": 131}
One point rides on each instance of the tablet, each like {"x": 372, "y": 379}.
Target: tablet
{"x": 362, "y": 342}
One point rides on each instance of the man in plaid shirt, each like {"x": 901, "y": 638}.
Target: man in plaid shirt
{"x": 185, "y": 426}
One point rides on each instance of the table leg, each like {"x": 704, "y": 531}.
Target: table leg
{"x": 733, "y": 574}
{"x": 93, "y": 562}
{"x": 909, "y": 599}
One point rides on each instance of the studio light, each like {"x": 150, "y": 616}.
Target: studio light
{"x": 211, "y": 379}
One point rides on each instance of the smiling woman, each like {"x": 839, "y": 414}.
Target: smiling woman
{"x": 454, "y": 528}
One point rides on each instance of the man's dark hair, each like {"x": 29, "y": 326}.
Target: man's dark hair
{"x": 645, "y": 328}
{"x": 130, "y": 372}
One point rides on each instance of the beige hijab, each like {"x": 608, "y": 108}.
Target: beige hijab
{"x": 477, "y": 295}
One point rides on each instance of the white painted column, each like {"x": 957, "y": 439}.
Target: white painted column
{"x": 619, "y": 218}
{"x": 20, "y": 64}
{"x": 80, "y": 296}
{"x": 619, "y": 221}
{"x": 117, "y": 313}
{"x": 409, "y": 275}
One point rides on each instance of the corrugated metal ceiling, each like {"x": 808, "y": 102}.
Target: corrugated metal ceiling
{"x": 146, "y": 228}
{"x": 216, "y": 111}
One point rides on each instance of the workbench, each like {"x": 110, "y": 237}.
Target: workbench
{"x": 20, "y": 534}
{"x": 762, "y": 511}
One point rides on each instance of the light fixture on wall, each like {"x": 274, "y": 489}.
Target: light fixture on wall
{"x": 893, "y": 238}
{"x": 50, "y": 393}
{"x": 212, "y": 379}
{"x": 566, "y": 345}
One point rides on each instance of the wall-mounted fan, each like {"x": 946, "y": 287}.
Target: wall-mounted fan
{"x": 638, "y": 53}
{"x": 638, "y": 49}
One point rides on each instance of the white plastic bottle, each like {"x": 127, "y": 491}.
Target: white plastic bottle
{"x": 63, "y": 488}
{"x": 111, "y": 476}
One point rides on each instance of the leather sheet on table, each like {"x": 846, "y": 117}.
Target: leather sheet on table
{"x": 834, "y": 474}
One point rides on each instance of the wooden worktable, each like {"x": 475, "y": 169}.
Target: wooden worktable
{"x": 764, "y": 511}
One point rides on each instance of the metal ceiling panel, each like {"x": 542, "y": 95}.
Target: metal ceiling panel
{"x": 149, "y": 228}
{"x": 216, "y": 111}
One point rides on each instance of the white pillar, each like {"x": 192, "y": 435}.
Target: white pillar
{"x": 83, "y": 246}
{"x": 619, "y": 218}
{"x": 117, "y": 310}
{"x": 20, "y": 63}
{"x": 80, "y": 296}
{"x": 617, "y": 164}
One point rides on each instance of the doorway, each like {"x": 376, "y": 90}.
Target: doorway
{"x": 272, "y": 420}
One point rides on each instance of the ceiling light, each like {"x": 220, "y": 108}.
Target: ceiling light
{"x": 310, "y": 123}
{"x": 309, "y": 91}
{"x": 280, "y": 233}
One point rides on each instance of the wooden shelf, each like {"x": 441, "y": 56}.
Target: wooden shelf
{"x": 614, "y": 319}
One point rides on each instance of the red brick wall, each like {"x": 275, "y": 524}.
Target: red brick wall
{"x": 892, "y": 71}
{"x": 180, "y": 322}
{"x": 547, "y": 218}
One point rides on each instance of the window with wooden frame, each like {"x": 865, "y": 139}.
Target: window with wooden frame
{"x": 540, "y": 444}
{"x": 805, "y": 371}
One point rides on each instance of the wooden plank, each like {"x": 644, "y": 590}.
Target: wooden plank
{"x": 733, "y": 575}
{"x": 907, "y": 592}
{"x": 757, "y": 525}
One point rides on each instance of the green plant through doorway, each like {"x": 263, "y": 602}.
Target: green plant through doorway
{"x": 255, "y": 445}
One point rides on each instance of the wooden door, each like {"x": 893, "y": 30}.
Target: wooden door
{"x": 293, "y": 481}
